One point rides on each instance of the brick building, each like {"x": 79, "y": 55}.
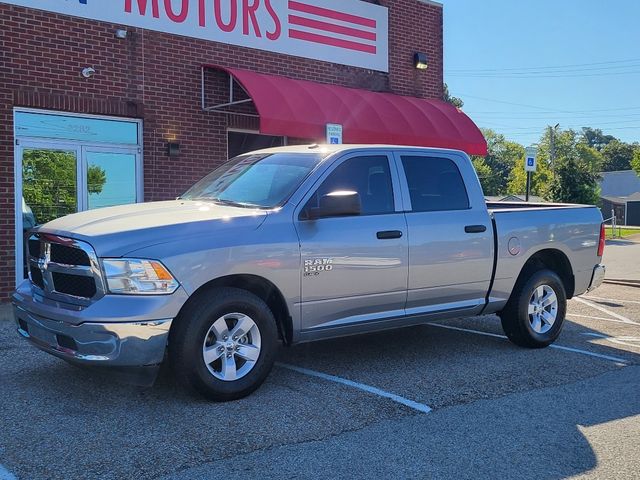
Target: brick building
{"x": 105, "y": 102}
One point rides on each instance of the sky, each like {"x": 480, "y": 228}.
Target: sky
{"x": 521, "y": 65}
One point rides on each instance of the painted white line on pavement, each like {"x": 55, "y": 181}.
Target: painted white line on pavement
{"x": 604, "y": 310}
{"x": 6, "y": 474}
{"x": 360, "y": 386}
{"x": 601, "y": 318}
{"x": 478, "y": 332}
{"x": 590, "y": 297}
{"x": 617, "y": 360}
{"x": 626, "y": 340}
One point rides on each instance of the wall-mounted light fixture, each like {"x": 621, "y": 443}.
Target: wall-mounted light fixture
{"x": 121, "y": 34}
{"x": 420, "y": 61}
{"x": 173, "y": 149}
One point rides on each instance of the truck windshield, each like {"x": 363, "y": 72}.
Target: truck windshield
{"x": 261, "y": 180}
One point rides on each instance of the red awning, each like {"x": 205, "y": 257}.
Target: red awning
{"x": 302, "y": 109}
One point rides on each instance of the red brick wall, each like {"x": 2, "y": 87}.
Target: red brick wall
{"x": 156, "y": 77}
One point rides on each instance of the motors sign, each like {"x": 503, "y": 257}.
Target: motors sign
{"x": 349, "y": 32}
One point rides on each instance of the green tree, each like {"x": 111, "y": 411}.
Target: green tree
{"x": 575, "y": 172}
{"x": 573, "y": 177}
{"x": 635, "y": 162}
{"x": 485, "y": 174}
{"x": 617, "y": 156}
{"x": 595, "y": 138}
{"x": 49, "y": 183}
{"x": 502, "y": 156}
{"x": 540, "y": 179}
{"x": 446, "y": 96}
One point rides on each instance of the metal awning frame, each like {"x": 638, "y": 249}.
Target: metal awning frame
{"x": 224, "y": 107}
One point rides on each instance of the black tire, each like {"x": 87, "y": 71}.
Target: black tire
{"x": 191, "y": 328}
{"x": 515, "y": 318}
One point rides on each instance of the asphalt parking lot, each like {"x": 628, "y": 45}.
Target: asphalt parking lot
{"x": 447, "y": 400}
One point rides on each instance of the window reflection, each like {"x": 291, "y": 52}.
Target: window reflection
{"x": 111, "y": 179}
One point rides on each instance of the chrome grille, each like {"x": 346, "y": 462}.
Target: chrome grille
{"x": 64, "y": 269}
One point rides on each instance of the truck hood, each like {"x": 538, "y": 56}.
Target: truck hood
{"x": 114, "y": 231}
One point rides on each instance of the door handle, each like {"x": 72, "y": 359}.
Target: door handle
{"x": 389, "y": 234}
{"x": 475, "y": 229}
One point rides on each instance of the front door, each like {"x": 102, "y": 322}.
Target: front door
{"x": 354, "y": 269}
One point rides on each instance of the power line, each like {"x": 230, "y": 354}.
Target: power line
{"x": 548, "y": 67}
{"x": 529, "y": 76}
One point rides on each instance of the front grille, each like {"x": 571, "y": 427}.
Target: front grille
{"x": 69, "y": 255}
{"x": 36, "y": 276}
{"x": 34, "y": 247}
{"x": 74, "y": 285}
{"x": 63, "y": 267}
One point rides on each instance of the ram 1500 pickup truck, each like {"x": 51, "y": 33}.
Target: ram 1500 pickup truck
{"x": 297, "y": 244}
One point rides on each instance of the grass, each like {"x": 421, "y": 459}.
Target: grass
{"x": 621, "y": 232}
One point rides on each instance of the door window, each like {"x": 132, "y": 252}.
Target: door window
{"x": 49, "y": 185}
{"x": 435, "y": 184}
{"x": 111, "y": 179}
{"x": 369, "y": 176}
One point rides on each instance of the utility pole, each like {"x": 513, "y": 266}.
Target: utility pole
{"x": 552, "y": 150}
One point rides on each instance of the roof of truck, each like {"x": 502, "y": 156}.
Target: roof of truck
{"x": 329, "y": 149}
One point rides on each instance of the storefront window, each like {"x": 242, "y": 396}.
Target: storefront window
{"x": 82, "y": 129}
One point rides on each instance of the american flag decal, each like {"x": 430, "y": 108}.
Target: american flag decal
{"x": 326, "y": 26}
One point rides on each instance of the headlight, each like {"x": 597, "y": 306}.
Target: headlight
{"x": 141, "y": 277}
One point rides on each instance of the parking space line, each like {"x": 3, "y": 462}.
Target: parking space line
{"x": 360, "y": 386}
{"x": 6, "y": 474}
{"x": 617, "y": 360}
{"x": 605, "y": 310}
{"x": 611, "y": 299}
{"x": 614, "y": 320}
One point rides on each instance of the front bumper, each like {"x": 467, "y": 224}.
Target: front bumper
{"x": 135, "y": 344}
{"x": 597, "y": 278}
{"x": 115, "y": 331}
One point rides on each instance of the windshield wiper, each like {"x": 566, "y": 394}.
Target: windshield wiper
{"x": 231, "y": 203}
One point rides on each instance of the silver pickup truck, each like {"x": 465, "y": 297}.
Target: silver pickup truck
{"x": 298, "y": 244}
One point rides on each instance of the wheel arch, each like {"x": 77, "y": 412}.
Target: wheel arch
{"x": 555, "y": 260}
{"x": 260, "y": 287}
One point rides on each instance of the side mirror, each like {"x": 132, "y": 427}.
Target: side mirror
{"x": 341, "y": 203}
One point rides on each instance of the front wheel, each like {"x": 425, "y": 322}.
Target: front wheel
{"x": 223, "y": 344}
{"x": 535, "y": 313}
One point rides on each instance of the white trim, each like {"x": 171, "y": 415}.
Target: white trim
{"x": 432, "y": 3}
{"x": 421, "y": 407}
{"x": 247, "y": 130}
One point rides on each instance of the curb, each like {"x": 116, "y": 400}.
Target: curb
{"x": 626, "y": 283}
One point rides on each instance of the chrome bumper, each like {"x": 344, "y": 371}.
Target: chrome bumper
{"x": 597, "y": 278}
{"x": 134, "y": 344}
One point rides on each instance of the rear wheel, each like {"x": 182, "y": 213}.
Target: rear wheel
{"x": 223, "y": 344}
{"x": 535, "y": 313}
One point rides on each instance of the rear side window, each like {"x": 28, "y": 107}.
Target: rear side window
{"x": 435, "y": 184}
{"x": 369, "y": 176}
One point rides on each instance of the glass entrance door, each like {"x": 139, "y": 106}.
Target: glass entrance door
{"x": 60, "y": 179}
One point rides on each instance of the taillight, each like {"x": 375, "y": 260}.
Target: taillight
{"x": 602, "y": 241}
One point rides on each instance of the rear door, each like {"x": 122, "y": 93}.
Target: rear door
{"x": 450, "y": 233}
{"x": 354, "y": 269}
